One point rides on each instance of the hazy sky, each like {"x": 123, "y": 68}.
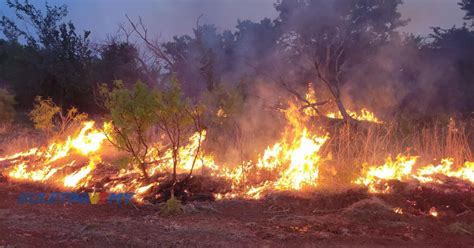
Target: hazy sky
{"x": 174, "y": 17}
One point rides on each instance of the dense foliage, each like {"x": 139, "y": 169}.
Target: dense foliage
{"x": 132, "y": 114}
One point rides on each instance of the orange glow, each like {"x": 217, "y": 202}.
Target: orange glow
{"x": 404, "y": 168}
{"x": 42, "y": 165}
{"x": 363, "y": 115}
{"x": 433, "y": 212}
{"x": 291, "y": 163}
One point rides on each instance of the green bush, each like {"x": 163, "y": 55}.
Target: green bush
{"x": 49, "y": 117}
{"x": 132, "y": 112}
{"x": 43, "y": 113}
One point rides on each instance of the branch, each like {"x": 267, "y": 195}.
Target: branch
{"x": 281, "y": 81}
{"x": 143, "y": 34}
{"x": 299, "y": 97}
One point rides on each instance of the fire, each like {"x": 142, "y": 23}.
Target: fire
{"x": 295, "y": 163}
{"x": 292, "y": 163}
{"x": 289, "y": 165}
{"x": 19, "y": 155}
{"x": 303, "y": 157}
{"x": 390, "y": 170}
{"x": 73, "y": 180}
{"x": 445, "y": 168}
{"x": 398, "y": 210}
{"x": 190, "y": 156}
{"x": 433, "y": 212}
{"x": 42, "y": 174}
{"x": 404, "y": 168}
{"x": 363, "y": 115}
{"x": 41, "y": 164}
{"x": 89, "y": 140}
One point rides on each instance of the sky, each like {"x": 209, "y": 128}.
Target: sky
{"x": 166, "y": 18}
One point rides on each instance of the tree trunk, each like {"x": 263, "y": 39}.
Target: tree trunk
{"x": 175, "y": 165}
{"x": 343, "y": 110}
{"x": 330, "y": 83}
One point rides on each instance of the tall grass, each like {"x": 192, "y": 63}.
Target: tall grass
{"x": 351, "y": 148}
{"x": 17, "y": 138}
{"x": 444, "y": 141}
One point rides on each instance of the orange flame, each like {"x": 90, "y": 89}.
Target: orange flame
{"x": 39, "y": 165}
{"x": 291, "y": 164}
{"x": 403, "y": 168}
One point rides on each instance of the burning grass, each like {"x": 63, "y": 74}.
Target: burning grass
{"x": 309, "y": 156}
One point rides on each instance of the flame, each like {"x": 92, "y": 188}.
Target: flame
{"x": 190, "y": 156}
{"x": 73, "y": 180}
{"x": 398, "y": 210}
{"x": 289, "y": 165}
{"x": 292, "y": 163}
{"x": 466, "y": 172}
{"x": 391, "y": 170}
{"x": 403, "y": 169}
{"x": 433, "y": 212}
{"x": 303, "y": 169}
{"x": 15, "y": 156}
{"x": 20, "y": 172}
{"x": 363, "y": 115}
{"x": 41, "y": 164}
{"x": 89, "y": 140}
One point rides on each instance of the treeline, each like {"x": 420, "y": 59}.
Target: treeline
{"x": 350, "y": 51}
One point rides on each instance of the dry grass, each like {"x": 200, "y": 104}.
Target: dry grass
{"x": 351, "y": 147}
{"x": 16, "y": 138}
{"x": 437, "y": 142}
{"x": 348, "y": 149}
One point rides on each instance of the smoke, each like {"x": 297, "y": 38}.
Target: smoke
{"x": 393, "y": 79}
{"x": 399, "y": 77}
{"x": 403, "y": 78}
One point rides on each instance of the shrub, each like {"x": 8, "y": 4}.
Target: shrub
{"x": 172, "y": 207}
{"x": 132, "y": 112}
{"x": 135, "y": 111}
{"x": 49, "y": 117}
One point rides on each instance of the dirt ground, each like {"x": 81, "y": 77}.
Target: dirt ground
{"x": 350, "y": 220}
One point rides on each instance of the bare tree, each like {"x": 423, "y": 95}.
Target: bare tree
{"x": 333, "y": 43}
{"x": 153, "y": 45}
{"x": 328, "y": 60}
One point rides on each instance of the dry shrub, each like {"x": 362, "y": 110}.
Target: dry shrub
{"x": 47, "y": 116}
